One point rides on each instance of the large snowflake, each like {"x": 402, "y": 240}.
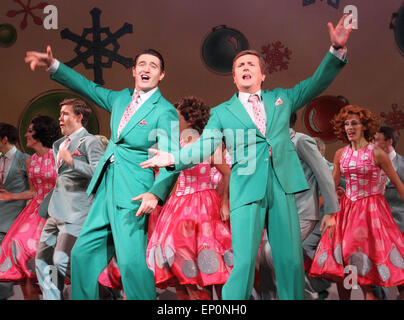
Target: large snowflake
{"x": 394, "y": 119}
{"x": 276, "y": 56}
{"x": 332, "y": 3}
{"x": 97, "y": 48}
{"x": 27, "y": 11}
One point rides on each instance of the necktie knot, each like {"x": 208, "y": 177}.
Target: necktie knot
{"x": 253, "y": 98}
{"x": 135, "y": 98}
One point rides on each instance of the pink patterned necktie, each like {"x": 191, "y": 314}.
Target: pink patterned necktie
{"x": 259, "y": 117}
{"x": 130, "y": 110}
{"x": 63, "y": 146}
{"x": 2, "y": 165}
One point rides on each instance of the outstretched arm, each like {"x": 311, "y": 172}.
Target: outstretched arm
{"x": 70, "y": 78}
{"x": 332, "y": 64}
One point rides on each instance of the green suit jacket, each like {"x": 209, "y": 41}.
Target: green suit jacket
{"x": 249, "y": 149}
{"x": 155, "y": 124}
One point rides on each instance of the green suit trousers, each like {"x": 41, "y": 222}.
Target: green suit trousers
{"x": 279, "y": 211}
{"x": 105, "y": 225}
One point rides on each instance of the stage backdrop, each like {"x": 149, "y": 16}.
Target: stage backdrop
{"x": 99, "y": 38}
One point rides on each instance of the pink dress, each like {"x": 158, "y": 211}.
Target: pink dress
{"x": 366, "y": 236}
{"x": 190, "y": 243}
{"x": 19, "y": 246}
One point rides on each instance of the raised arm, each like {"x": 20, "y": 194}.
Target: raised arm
{"x": 334, "y": 61}
{"x": 70, "y": 78}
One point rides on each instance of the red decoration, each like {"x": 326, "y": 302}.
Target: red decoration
{"x": 276, "y": 56}
{"x": 27, "y": 10}
{"x": 394, "y": 119}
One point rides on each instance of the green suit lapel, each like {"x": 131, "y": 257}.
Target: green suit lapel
{"x": 270, "y": 110}
{"x": 140, "y": 114}
{"x": 238, "y": 110}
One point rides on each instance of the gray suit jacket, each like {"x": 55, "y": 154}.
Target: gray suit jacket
{"x": 69, "y": 201}
{"x": 318, "y": 176}
{"x": 16, "y": 182}
{"x": 393, "y": 197}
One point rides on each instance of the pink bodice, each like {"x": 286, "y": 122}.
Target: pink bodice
{"x": 194, "y": 179}
{"x": 363, "y": 177}
{"x": 42, "y": 173}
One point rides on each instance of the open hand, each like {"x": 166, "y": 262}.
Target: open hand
{"x": 340, "y": 34}
{"x": 160, "y": 160}
{"x": 39, "y": 59}
{"x": 149, "y": 203}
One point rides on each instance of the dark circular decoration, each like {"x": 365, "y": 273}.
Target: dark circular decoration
{"x": 8, "y": 35}
{"x": 397, "y": 24}
{"x": 47, "y": 104}
{"x": 221, "y": 46}
{"x": 318, "y": 114}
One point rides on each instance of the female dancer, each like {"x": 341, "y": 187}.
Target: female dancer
{"x": 191, "y": 246}
{"x": 19, "y": 246}
{"x": 365, "y": 241}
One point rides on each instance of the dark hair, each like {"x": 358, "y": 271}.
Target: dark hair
{"x": 153, "y": 53}
{"x": 46, "y": 130}
{"x": 389, "y": 133}
{"x": 79, "y": 107}
{"x": 194, "y": 111}
{"x": 368, "y": 120}
{"x": 292, "y": 120}
{"x": 9, "y": 131}
{"x": 251, "y": 52}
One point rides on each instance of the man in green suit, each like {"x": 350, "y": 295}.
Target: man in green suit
{"x": 116, "y": 223}
{"x": 266, "y": 170}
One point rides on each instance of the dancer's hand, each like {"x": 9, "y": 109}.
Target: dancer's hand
{"x": 5, "y": 195}
{"x": 39, "y": 59}
{"x": 328, "y": 222}
{"x": 225, "y": 210}
{"x": 149, "y": 203}
{"x": 340, "y": 191}
{"x": 160, "y": 160}
{"x": 66, "y": 156}
{"x": 340, "y": 34}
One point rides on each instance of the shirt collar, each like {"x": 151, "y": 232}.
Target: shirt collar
{"x": 75, "y": 133}
{"x": 145, "y": 95}
{"x": 244, "y": 96}
{"x": 11, "y": 152}
{"x": 392, "y": 155}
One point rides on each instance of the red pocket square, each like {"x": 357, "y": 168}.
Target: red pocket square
{"x": 76, "y": 153}
{"x": 143, "y": 122}
{"x": 278, "y": 102}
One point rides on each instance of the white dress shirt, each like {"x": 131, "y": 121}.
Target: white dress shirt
{"x": 244, "y": 96}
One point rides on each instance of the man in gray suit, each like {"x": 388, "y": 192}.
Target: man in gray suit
{"x": 76, "y": 155}
{"x": 319, "y": 178}
{"x": 14, "y": 179}
{"x": 386, "y": 138}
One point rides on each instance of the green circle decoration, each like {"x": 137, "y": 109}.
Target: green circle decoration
{"x": 8, "y": 35}
{"x": 47, "y": 104}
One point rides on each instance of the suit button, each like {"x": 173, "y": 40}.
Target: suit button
{"x": 265, "y": 159}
